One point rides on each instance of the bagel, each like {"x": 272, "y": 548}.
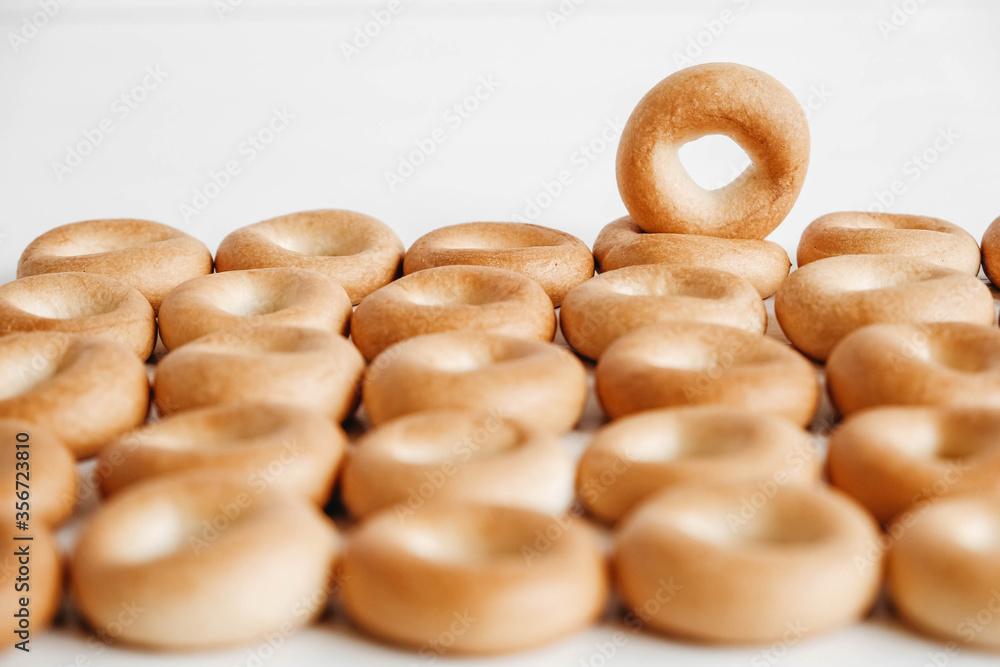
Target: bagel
{"x": 991, "y": 252}
{"x": 47, "y": 470}
{"x": 269, "y": 445}
{"x": 307, "y": 368}
{"x": 471, "y": 578}
{"x": 86, "y": 391}
{"x": 539, "y": 384}
{"x": 283, "y": 296}
{"x": 460, "y": 456}
{"x": 631, "y": 459}
{"x": 745, "y": 561}
{"x": 209, "y": 561}
{"x": 606, "y": 307}
{"x": 744, "y": 104}
{"x": 892, "y": 459}
{"x": 79, "y": 303}
{"x": 761, "y": 263}
{"x": 555, "y": 260}
{"x": 936, "y": 363}
{"x": 824, "y": 301}
{"x": 358, "y": 251}
{"x": 691, "y": 363}
{"x": 453, "y": 298}
{"x": 942, "y": 570}
{"x": 861, "y": 233}
{"x": 147, "y": 256}
{"x": 43, "y": 574}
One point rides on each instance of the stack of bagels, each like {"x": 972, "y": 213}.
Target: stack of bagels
{"x": 211, "y": 393}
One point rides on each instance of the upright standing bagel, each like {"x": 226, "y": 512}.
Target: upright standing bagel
{"x": 861, "y": 233}
{"x": 358, "y": 251}
{"x": 991, "y": 252}
{"x": 748, "y": 106}
{"x": 148, "y": 256}
{"x": 761, "y": 263}
{"x": 555, "y": 260}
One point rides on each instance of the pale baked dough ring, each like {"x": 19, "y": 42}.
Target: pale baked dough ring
{"x": 460, "y": 456}
{"x": 87, "y": 391}
{"x": 307, "y": 368}
{"x": 748, "y": 106}
{"x": 895, "y": 458}
{"x": 45, "y": 581}
{"x": 269, "y": 445}
{"x": 148, "y": 256}
{"x": 555, "y": 260}
{"x": 283, "y": 296}
{"x": 453, "y": 298}
{"x": 936, "y": 363}
{"x": 539, "y": 384}
{"x": 358, "y": 251}
{"x": 942, "y": 570}
{"x": 605, "y": 308}
{"x": 745, "y": 563}
{"x": 861, "y": 233}
{"x": 622, "y": 243}
{"x": 991, "y": 251}
{"x": 633, "y": 458}
{"x": 51, "y": 472}
{"x": 824, "y": 301}
{"x": 459, "y": 578}
{"x": 208, "y": 560}
{"x": 691, "y": 363}
{"x": 79, "y": 303}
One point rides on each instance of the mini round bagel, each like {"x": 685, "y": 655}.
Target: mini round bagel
{"x": 147, "y": 256}
{"x": 555, "y": 260}
{"x": 692, "y": 363}
{"x": 933, "y": 363}
{"x": 824, "y": 301}
{"x": 358, "y": 251}
{"x": 47, "y": 467}
{"x": 86, "y": 391}
{"x": 460, "y": 456}
{"x": 279, "y": 446}
{"x": 307, "y": 368}
{"x": 894, "y": 459}
{"x": 209, "y": 560}
{"x": 283, "y": 296}
{"x": 79, "y": 303}
{"x": 942, "y": 569}
{"x": 605, "y": 308}
{"x": 538, "y": 384}
{"x": 861, "y": 233}
{"x": 761, "y": 263}
{"x": 991, "y": 252}
{"x": 744, "y": 104}
{"x": 42, "y": 572}
{"x": 461, "y": 578}
{"x": 453, "y": 298}
{"x": 631, "y": 459}
{"x": 745, "y": 561}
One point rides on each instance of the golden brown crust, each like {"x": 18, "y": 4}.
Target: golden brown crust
{"x": 991, "y": 251}
{"x": 147, "y": 256}
{"x": 746, "y": 105}
{"x": 603, "y": 309}
{"x": 860, "y": 233}
{"x": 761, "y": 263}
{"x": 824, "y": 301}
{"x": 692, "y": 363}
{"x": 453, "y": 298}
{"x": 50, "y": 473}
{"x": 283, "y": 296}
{"x": 79, "y": 303}
{"x": 356, "y": 250}
{"x": 555, "y": 260}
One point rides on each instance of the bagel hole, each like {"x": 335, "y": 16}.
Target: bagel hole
{"x": 662, "y": 284}
{"x": 463, "y": 542}
{"x": 464, "y": 440}
{"x": 98, "y": 243}
{"x": 977, "y": 528}
{"x": 64, "y": 306}
{"x": 684, "y": 443}
{"x": 457, "y": 359}
{"x": 317, "y": 245}
{"x": 769, "y": 526}
{"x": 683, "y": 355}
{"x": 155, "y": 532}
{"x": 957, "y": 357}
{"x": 498, "y": 238}
{"x": 231, "y": 434}
{"x": 455, "y": 294}
{"x": 254, "y": 300}
{"x": 713, "y": 161}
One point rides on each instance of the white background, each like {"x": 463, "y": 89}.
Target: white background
{"x": 885, "y": 78}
